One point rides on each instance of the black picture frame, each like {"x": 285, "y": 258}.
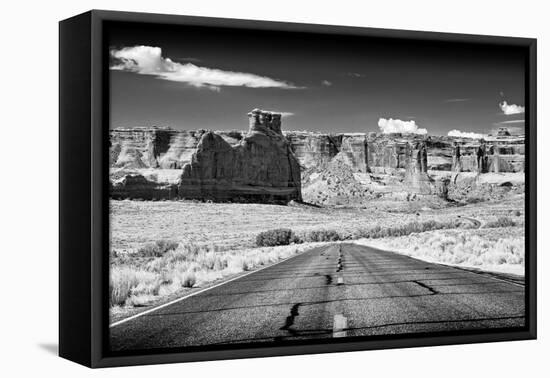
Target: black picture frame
{"x": 84, "y": 207}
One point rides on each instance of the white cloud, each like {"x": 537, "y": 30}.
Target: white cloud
{"x": 465, "y": 134}
{"x": 509, "y": 109}
{"x": 326, "y": 83}
{"x": 388, "y": 126}
{"x": 283, "y": 114}
{"x": 148, "y": 60}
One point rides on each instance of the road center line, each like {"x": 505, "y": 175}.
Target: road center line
{"x": 339, "y": 326}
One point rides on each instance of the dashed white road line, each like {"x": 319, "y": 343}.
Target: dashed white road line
{"x": 340, "y": 325}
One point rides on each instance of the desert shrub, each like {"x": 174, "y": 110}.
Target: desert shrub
{"x": 500, "y": 222}
{"x": 296, "y": 239}
{"x": 238, "y": 264}
{"x": 322, "y": 236}
{"x": 126, "y": 281}
{"x": 140, "y": 300}
{"x": 377, "y": 232}
{"x": 188, "y": 279}
{"x": 472, "y": 200}
{"x": 156, "y": 249}
{"x": 271, "y": 238}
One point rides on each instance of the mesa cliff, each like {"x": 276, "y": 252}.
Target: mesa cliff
{"x": 266, "y": 164}
{"x": 260, "y": 168}
{"x": 223, "y": 166}
{"x": 171, "y": 149}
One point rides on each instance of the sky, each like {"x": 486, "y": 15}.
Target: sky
{"x": 209, "y": 78}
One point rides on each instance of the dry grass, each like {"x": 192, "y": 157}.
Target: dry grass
{"x": 140, "y": 281}
{"x": 497, "y": 249}
{"x": 501, "y": 222}
{"x": 126, "y": 282}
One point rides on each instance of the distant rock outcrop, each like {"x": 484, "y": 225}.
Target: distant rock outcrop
{"x": 164, "y": 148}
{"x": 312, "y": 149}
{"x": 315, "y": 149}
{"x": 155, "y": 147}
{"x": 266, "y": 164}
{"x": 137, "y": 186}
{"x": 260, "y": 168}
{"x": 416, "y": 174}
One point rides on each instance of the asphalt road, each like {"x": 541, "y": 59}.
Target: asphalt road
{"x": 331, "y": 291}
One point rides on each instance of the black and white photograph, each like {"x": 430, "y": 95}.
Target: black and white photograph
{"x": 234, "y": 189}
{"x": 275, "y": 188}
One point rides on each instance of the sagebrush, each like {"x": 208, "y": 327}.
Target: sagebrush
{"x": 280, "y": 236}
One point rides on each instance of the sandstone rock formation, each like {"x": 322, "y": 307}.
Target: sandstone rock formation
{"x": 493, "y": 154}
{"x": 354, "y": 151}
{"x": 267, "y": 164}
{"x": 471, "y": 187}
{"x": 334, "y": 184}
{"x": 154, "y": 147}
{"x": 312, "y": 149}
{"x": 136, "y": 186}
{"x": 260, "y": 168}
{"x": 416, "y": 171}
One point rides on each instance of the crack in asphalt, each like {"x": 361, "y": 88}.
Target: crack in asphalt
{"x": 485, "y": 283}
{"x": 318, "y": 332}
{"x": 336, "y": 300}
{"x": 289, "y": 322}
{"x": 431, "y": 289}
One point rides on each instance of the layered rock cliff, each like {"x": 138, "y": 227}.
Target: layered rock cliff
{"x": 153, "y": 147}
{"x": 266, "y": 164}
{"x": 315, "y": 149}
{"x": 260, "y": 168}
{"x": 218, "y": 166}
{"x": 164, "y": 148}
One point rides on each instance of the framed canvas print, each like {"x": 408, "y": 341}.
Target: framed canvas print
{"x": 234, "y": 188}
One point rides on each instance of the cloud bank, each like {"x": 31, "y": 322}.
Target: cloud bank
{"x": 388, "y": 126}
{"x": 465, "y": 134}
{"x": 509, "y": 109}
{"x": 148, "y": 60}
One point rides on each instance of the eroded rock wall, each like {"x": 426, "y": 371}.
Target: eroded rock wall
{"x": 260, "y": 168}
{"x": 312, "y": 149}
{"x": 266, "y": 164}
{"x": 152, "y": 147}
{"x": 136, "y": 148}
{"x": 354, "y": 151}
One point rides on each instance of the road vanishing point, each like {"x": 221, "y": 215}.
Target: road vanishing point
{"x": 336, "y": 290}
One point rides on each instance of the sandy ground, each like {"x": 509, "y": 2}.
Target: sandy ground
{"x": 230, "y": 225}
